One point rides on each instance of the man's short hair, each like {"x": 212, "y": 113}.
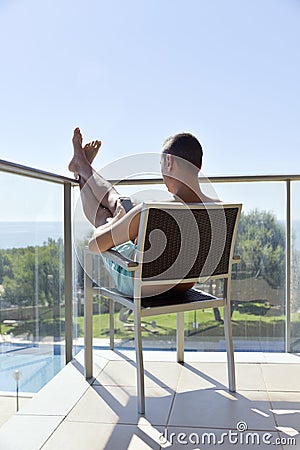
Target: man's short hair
{"x": 185, "y": 146}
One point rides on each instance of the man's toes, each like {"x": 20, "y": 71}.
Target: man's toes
{"x": 77, "y": 134}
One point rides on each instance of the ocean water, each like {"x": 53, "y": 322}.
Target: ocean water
{"x": 24, "y": 234}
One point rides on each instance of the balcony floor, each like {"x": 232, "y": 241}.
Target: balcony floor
{"x": 71, "y": 414}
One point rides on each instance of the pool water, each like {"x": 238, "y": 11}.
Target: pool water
{"x": 37, "y": 367}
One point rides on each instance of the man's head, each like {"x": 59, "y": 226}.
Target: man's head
{"x": 185, "y": 146}
{"x": 181, "y": 159}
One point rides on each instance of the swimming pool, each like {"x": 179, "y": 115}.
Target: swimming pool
{"x": 38, "y": 365}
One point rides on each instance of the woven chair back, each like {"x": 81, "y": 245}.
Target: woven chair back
{"x": 188, "y": 242}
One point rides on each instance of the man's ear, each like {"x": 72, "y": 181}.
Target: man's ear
{"x": 170, "y": 161}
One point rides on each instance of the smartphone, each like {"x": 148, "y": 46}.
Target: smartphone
{"x": 126, "y": 203}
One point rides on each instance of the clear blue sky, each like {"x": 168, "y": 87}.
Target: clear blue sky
{"x": 133, "y": 72}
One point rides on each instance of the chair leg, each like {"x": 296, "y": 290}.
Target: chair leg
{"x": 180, "y": 337}
{"x": 228, "y": 338}
{"x": 111, "y": 324}
{"x": 139, "y": 360}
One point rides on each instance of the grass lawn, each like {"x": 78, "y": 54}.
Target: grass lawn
{"x": 163, "y": 327}
{"x": 243, "y": 325}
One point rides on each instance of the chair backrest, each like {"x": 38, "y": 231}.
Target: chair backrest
{"x": 186, "y": 241}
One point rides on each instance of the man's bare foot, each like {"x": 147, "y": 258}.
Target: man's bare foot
{"x": 79, "y": 154}
{"x": 91, "y": 149}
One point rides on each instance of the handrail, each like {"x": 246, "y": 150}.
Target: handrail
{"x": 213, "y": 179}
{"x": 18, "y": 169}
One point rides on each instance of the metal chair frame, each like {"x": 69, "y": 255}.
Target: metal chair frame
{"x": 191, "y": 300}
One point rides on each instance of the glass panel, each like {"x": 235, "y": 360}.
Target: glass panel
{"x": 295, "y": 273}
{"x": 31, "y": 281}
{"x": 82, "y": 230}
{"x": 258, "y": 287}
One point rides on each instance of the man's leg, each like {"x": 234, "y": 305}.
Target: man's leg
{"x": 93, "y": 210}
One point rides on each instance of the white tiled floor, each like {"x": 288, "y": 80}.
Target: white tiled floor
{"x": 189, "y": 404}
{"x": 8, "y": 405}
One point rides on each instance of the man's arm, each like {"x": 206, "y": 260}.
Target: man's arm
{"x": 118, "y": 231}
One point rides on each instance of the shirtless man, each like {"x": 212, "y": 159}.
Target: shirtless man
{"x": 181, "y": 161}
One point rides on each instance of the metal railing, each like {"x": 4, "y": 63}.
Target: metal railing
{"x": 287, "y": 179}
{"x": 68, "y": 183}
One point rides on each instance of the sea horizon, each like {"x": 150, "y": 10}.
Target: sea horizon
{"x": 23, "y": 234}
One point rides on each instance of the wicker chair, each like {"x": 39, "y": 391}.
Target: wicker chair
{"x": 177, "y": 243}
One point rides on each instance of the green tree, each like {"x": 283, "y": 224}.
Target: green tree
{"x": 33, "y": 273}
{"x": 261, "y": 245}
{"x": 295, "y": 292}
{"x": 5, "y": 266}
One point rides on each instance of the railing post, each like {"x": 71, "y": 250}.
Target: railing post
{"x": 88, "y": 315}
{"x": 68, "y": 273}
{"x": 288, "y": 269}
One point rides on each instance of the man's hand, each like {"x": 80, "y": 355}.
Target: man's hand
{"x": 121, "y": 228}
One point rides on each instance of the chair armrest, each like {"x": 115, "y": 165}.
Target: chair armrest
{"x": 236, "y": 259}
{"x": 124, "y": 262}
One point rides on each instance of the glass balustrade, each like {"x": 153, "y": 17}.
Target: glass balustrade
{"x": 258, "y": 285}
{"x": 295, "y": 269}
{"x": 37, "y": 332}
{"x": 32, "y": 309}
